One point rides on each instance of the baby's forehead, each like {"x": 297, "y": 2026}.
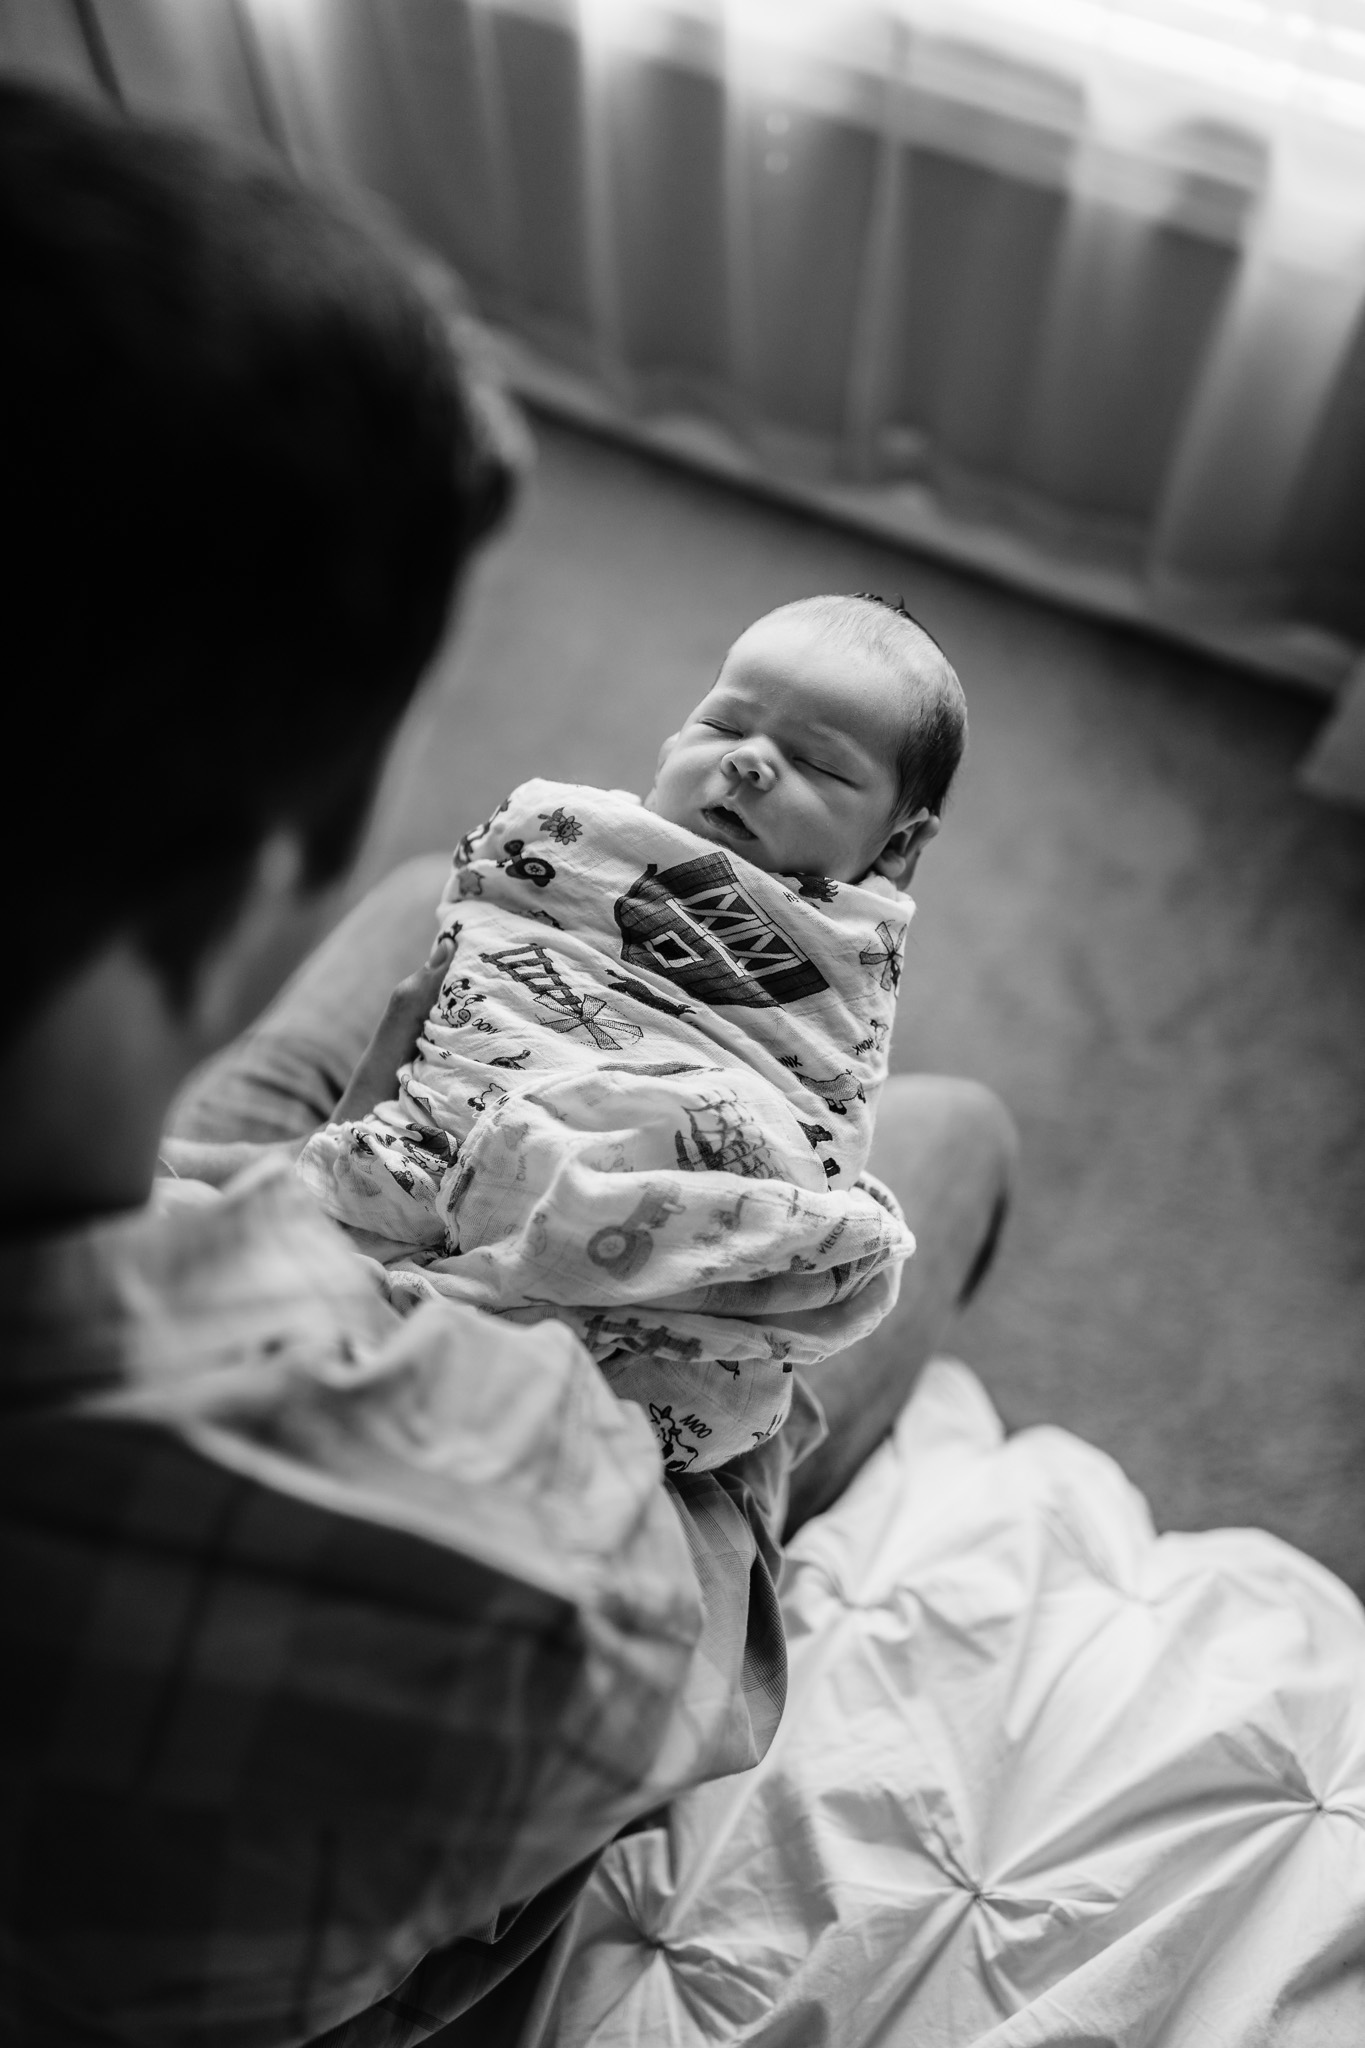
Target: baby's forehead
{"x": 808, "y": 670}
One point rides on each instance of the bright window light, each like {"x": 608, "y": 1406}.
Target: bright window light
{"x": 1294, "y": 57}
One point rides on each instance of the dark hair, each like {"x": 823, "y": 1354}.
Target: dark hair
{"x": 935, "y": 736}
{"x": 243, "y": 462}
{"x": 932, "y": 747}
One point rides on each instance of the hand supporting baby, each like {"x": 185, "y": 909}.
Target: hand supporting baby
{"x": 374, "y": 1080}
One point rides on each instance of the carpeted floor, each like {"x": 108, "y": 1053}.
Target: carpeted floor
{"x": 1133, "y": 927}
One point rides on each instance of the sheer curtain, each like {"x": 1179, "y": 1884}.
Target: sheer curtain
{"x": 1070, "y": 290}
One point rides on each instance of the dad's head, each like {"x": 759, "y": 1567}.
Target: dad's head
{"x": 244, "y": 459}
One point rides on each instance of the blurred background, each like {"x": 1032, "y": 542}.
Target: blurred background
{"x": 1048, "y": 315}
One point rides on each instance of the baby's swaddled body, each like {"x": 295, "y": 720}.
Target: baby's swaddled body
{"x": 642, "y": 1105}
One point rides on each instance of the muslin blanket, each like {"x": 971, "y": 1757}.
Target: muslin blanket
{"x": 642, "y": 1105}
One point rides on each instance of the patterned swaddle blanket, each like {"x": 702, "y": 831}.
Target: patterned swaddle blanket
{"x": 642, "y": 1104}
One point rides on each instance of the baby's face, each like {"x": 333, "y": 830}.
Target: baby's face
{"x": 790, "y": 760}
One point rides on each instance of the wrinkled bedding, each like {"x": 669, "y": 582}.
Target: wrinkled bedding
{"x": 1044, "y": 1777}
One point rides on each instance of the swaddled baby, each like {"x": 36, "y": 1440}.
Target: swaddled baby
{"x": 643, "y": 1101}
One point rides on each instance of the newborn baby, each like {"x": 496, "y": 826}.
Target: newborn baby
{"x": 643, "y": 1101}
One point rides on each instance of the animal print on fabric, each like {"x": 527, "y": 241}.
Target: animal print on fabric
{"x": 642, "y": 1105}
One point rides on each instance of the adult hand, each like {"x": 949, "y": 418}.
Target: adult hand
{"x": 217, "y": 1161}
{"x": 395, "y": 1039}
{"x": 374, "y": 1080}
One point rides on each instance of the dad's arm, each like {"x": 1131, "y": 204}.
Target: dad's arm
{"x": 374, "y": 1079}
{"x": 338, "y": 1647}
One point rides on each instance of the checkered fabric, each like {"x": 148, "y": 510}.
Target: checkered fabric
{"x": 336, "y": 1642}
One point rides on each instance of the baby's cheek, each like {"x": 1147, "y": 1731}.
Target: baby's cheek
{"x": 827, "y": 846}
{"x": 669, "y": 798}
{"x": 678, "y": 783}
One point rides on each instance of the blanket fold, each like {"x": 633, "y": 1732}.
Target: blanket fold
{"x": 642, "y": 1105}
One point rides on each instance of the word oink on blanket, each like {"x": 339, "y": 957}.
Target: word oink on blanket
{"x": 643, "y": 1101}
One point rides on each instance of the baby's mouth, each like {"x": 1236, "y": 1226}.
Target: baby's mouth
{"x": 727, "y": 821}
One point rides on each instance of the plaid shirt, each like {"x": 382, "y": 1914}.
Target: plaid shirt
{"x": 335, "y": 1628}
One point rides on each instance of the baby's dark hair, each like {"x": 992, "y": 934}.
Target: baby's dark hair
{"x": 934, "y": 741}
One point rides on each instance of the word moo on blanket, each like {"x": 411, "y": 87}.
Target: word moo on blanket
{"x": 642, "y": 1105}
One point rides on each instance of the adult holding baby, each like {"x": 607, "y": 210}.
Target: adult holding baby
{"x": 345, "y": 1632}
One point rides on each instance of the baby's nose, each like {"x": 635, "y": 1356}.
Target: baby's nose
{"x": 751, "y": 764}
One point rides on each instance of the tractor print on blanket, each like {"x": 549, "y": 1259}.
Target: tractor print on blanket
{"x": 527, "y": 867}
{"x": 694, "y": 925}
{"x": 621, "y": 1249}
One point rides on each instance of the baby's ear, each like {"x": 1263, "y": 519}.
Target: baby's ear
{"x": 899, "y": 857}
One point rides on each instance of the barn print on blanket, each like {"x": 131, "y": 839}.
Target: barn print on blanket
{"x": 694, "y": 925}
{"x": 642, "y": 1104}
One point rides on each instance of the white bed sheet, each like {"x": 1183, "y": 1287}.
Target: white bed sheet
{"x": 1044, "y": 1777}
